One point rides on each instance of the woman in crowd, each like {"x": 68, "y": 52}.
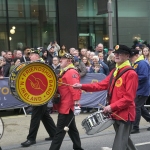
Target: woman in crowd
{"x": 62, "y": 51}
{"x": 45, "y": 56}
{"x": 146, "y": 54}
{"x": 87, "y": 63}
{"x": 111, "y": 62}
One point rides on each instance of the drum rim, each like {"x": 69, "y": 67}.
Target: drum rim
{"x": 53, "y": 74}
{"x": 16, "y": 96}
{"x": 3, "y": 127}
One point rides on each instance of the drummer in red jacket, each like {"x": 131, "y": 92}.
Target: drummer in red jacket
{"x": 68, "y": 106}
{"x": 121, "y": 95}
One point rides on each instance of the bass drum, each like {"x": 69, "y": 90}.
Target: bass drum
{"x": 34, "y": 83}
{"x": 1, "y": 128}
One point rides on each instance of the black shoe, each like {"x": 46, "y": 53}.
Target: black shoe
{"x": 28, "y": 143}
{"x": 148, "y": 129}
{"x": 49, "y": 139}
{"x": 134, "y": 131}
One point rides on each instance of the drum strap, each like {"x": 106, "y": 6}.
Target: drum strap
{"x": 112, "y": 84}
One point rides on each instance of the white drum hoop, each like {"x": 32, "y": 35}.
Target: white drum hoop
{"x": 97, "y": 122}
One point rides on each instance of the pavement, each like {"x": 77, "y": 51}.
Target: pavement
{"x": 16, "y": 128}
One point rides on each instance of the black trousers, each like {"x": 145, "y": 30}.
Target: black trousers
{"x": 140, "y": 111}
{"x": 122, "y": 139}
{"x": 63, "y": 120}
{"x": 41, "y": 113}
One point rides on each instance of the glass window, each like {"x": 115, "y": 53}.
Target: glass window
{"x": 92, "y": 28}
{"x": 31, "y": 22}
{"x": 3, "y": 33}
{"x": 133, "y": 21}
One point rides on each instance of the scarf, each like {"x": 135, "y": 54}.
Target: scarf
{"x": 66, "y": 68}
{"x": 139, "y": 59}
{"x": 126, "y": 63}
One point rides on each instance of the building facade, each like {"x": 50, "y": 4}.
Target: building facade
{"x": 75, "y": 23}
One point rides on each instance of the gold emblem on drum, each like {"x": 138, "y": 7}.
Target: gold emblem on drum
{"x": 36, "y": 84}
{"x": 118, "y": 82}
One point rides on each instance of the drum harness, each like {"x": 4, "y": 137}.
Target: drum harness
{"x": 109, "y": 93}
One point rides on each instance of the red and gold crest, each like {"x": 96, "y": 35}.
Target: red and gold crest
{"x": 116, "y": 47}
{"x": 118, "y": 82}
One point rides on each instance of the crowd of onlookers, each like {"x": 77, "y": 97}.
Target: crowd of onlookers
{"x": 86, "y": 61}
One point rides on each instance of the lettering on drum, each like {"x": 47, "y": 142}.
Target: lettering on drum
{"x": 36, "y": 84}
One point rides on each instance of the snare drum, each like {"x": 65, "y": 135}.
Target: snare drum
{"x": 97, "y": 122}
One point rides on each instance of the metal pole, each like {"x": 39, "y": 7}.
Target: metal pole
{"x": 7, "y": 24}
{"x": 110, "y": 24}
{"x": 117, "y": 28}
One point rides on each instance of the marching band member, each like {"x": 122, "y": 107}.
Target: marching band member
{"x": 122, "y": 85}
{"x": 39, "y": 113}
{"x": 68, "y": 106}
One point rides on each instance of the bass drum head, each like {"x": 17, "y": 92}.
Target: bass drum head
{"x": 34, "y": 83}
{"x": 12, "y": 79}
{"x": 1, "y": 128}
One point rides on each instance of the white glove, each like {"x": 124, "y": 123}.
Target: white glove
{"x": 77, "y": 110}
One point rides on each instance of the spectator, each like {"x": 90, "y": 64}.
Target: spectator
{"x": 52, "y": 51}
{"x": 18, "y": 54}
{"x": 26, "y": 53}
{"x": 80, "y": 66}
{"x": 96, "y": 67}
{"x": 101, "y": 56}
{"x": 86, "y": 63}
{"x": 3, "y": 54}
{"x": 83, "y": 52}
{"x": 104, "y": 67}
{"x": 16, "y": 62}
{"x": 2, "y": 63}
{"x": 14, "y": 54}
{"x": 56, "y": 65}
{"x": 91, "y": 57}
{"x": 88, "y": 54}
{"x": 71, "y": 50}
{"x": 76, "y": 53}
{"x": 45, "y": 56}
{"x": 100, "y": 49}
{"x": 55, "y": 46}
{"x": 146, "y": 54}
{"x": 7, "y": 66}
{"x": 62, "y": 51}
{"x": 111, "y": 62}
{"x": 110, "y": 50}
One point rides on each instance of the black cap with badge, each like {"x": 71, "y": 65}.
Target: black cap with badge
{"x": 122, "y": 49}
{"x": 67, "y": 55}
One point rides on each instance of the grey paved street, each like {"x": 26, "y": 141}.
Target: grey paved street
{"x": 17, "y": 127}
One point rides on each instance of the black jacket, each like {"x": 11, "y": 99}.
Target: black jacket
{"x": 6, "y": 68}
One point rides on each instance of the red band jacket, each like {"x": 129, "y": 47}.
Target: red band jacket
{"x": 68, "y": 93}
{"x": 123, "y": 95}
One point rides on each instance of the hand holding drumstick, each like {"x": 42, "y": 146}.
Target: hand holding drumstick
{"x": 107, "y": 109}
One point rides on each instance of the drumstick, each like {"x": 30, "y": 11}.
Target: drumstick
{"x": 64, "y": 83}
{"x": 114, "y": 114}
